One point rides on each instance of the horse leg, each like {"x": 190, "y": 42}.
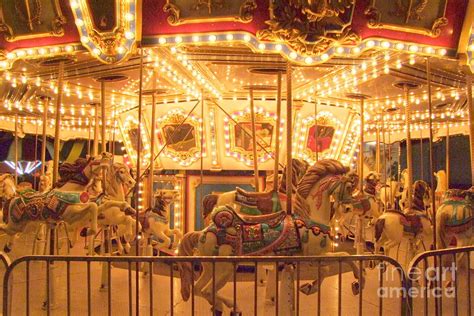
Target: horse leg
{"x": 223, "y": 272}
{"x": 166, "y": 240}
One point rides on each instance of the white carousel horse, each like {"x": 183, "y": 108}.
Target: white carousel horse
{"x": 45, "y": 181}
{"x": 231, "y": 233}
{"x": 252, "y": 203}
{"x": 392, "y": 226}
{"x": 113, "y": 207}
{"x": 388, "y": 193}
{"x": 441, "y": 185}
{"x": 155, "y": 222}
{"x": 68, "y": 201}
{"x": 455, "y": 220}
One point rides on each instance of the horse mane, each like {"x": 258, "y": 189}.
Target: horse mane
{"x": 299, "y": 168}
{"x": 420, "y": 188}
{"x": 68, "y": 171}
{"x": 318, "y": 171}
{"x": 159, "y": 207}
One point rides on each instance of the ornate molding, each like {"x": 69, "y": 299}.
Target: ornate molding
{"x": 412, "y": 17}
{"x": 114, "y": 37}
{"x": 310, "y": 27}
{"x": 27, "y": 19}
{"x": 197, "y": 11}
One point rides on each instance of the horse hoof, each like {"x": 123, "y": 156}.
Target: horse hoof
{"x": 7, "y": 249}
{"x": 233, "y": 313}
{"x": 83, "y": 232}
{"x": 355, "y": 287}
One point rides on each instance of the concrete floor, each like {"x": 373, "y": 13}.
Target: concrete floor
{"x": 162, "y": 293}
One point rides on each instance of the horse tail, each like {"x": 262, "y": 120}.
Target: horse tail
{"x": 186, "y": 248}
{"x": 379, "y": 225}
{"x": 208, "y": 204}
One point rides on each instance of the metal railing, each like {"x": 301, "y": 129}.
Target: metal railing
{"x": 441, "y": 282}
{"x": 144, "y": 296}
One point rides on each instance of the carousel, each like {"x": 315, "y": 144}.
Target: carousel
{"x": 199, "y": 157}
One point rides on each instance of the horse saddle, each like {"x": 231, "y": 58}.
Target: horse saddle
{"x": 255, "y": 235}
{"x": 144, "y": 218}
{"x": 361, "y": 204}
{"x": 411, "y": 222}
{"x": 462, "y": 217}
{"x": 257, "y": 202}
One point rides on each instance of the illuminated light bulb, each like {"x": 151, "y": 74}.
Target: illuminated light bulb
{"x": 399, "y": 46}
{"x": 442, "y": 51}
{"x": 261, "y": 46}
{"x": 356, "y": 50}
{"x": 278, "y": 47}
{"x": 229, "y": 37}
{"x": 325, "y": 56}
{"x": 11, "y": 55}
{"x": 42, "y": 51}
{"x": 293, "y": 55}
{"x": 308, "y": 60}
{"x": 129, "y": 35}
{"x": 212, "y": 38}
{"x": 129, "y": 16}
{"x": 79, "y": 22}
{"x": 385, "y": 44}
{"x": 120, "y": 49}
{"x": 74, "y": 4}
{"x": 96, "y": 51}
{"x": 247, "y": 38}
{"x": 340, "y": 50}
{"x": 370, "y": 44}
{"x": 411, "y": 61}
{"x": 84, "y": 39}
{"x": 413, "y": 48}
{"x": 162, "y": 40}
{"x": 195, "y": 38}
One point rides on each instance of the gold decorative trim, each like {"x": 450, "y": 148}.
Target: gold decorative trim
{"x": 57, "y": 23}
{"x": 109, "y": 46}
{"x": 175, "y": 17}
{"x": 310, "y": 29}
{"x": 416, "y": 12}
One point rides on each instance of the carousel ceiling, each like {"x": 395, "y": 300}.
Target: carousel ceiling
{"x": 227, "y": 51}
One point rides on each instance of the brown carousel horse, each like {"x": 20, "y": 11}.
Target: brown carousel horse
{"x": 68, "y": 201}
{"x": 253, "y": 203}
{"x": 305, "y": 233}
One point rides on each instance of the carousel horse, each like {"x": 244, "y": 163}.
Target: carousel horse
{"x": 388, "y": 193}
{"x": 372, "y": 191}
{"x": 441, "y": 185}
{"x": 403, "y": 195}
{"x": 45, "y": 181}
{"x": 455, "y": 219}
{"x": 393, "y": 226}
{"x": 68, "y": 201}
{"x": 256, "y": 203}
{"x": 155, "y": 222}
{"x": 113, "y": 207}
{"x": 306, "y": 232}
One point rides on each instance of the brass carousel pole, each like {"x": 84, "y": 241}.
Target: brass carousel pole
{"x": 44, "y": 140}
{"x": 95, "y": 149}
{"x": 377, "y": 149}
{"x": 407, "y": 86}
{"x": 103, "y": 117}
{"x": 16, "y": 149}
{"x": 448, "y": 168}
{"x": 254, "y": 141}
{"x": 152, "y": 140}
{"x": 471, "y": 120}
{"x": 422, "y": 165}
{"x": 360, "y": 226}
{"x": 57, "y": 122}
{"x": 430, "y": 124}
{"x": 316, "y": 131}
{"x": 277, "y": 134}
{"x": 289, "y": 126}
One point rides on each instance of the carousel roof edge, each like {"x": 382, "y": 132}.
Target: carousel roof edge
{"x": 112, "y": 30}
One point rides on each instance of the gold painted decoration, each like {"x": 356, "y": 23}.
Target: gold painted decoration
{"x": 26, "y": 19}
{"x": 414, "y": 16}
{"x": 325, "y": 141}
{"x": 108, "y": 28}
{"x": 182, "y": 140}
{"x": 130, "y": 132}
{"x": 195, "y": 11}
{"x": 310, "y": 27}
{"x": 238, "y": 136}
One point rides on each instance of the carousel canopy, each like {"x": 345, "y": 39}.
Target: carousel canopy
{"x": 201, "y": 63}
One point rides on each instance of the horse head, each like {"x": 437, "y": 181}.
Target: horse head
{"x": 7, "y": 186}
{"x": 121, "y": 172}
{"x": 44, "y": 183}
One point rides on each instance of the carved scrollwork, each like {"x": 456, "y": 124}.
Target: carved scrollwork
{"x": 26, "y": 19}
{"x": 310, "y": 27}
{"x": 408, "y": 16}
{"x": 195, "y": 11}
